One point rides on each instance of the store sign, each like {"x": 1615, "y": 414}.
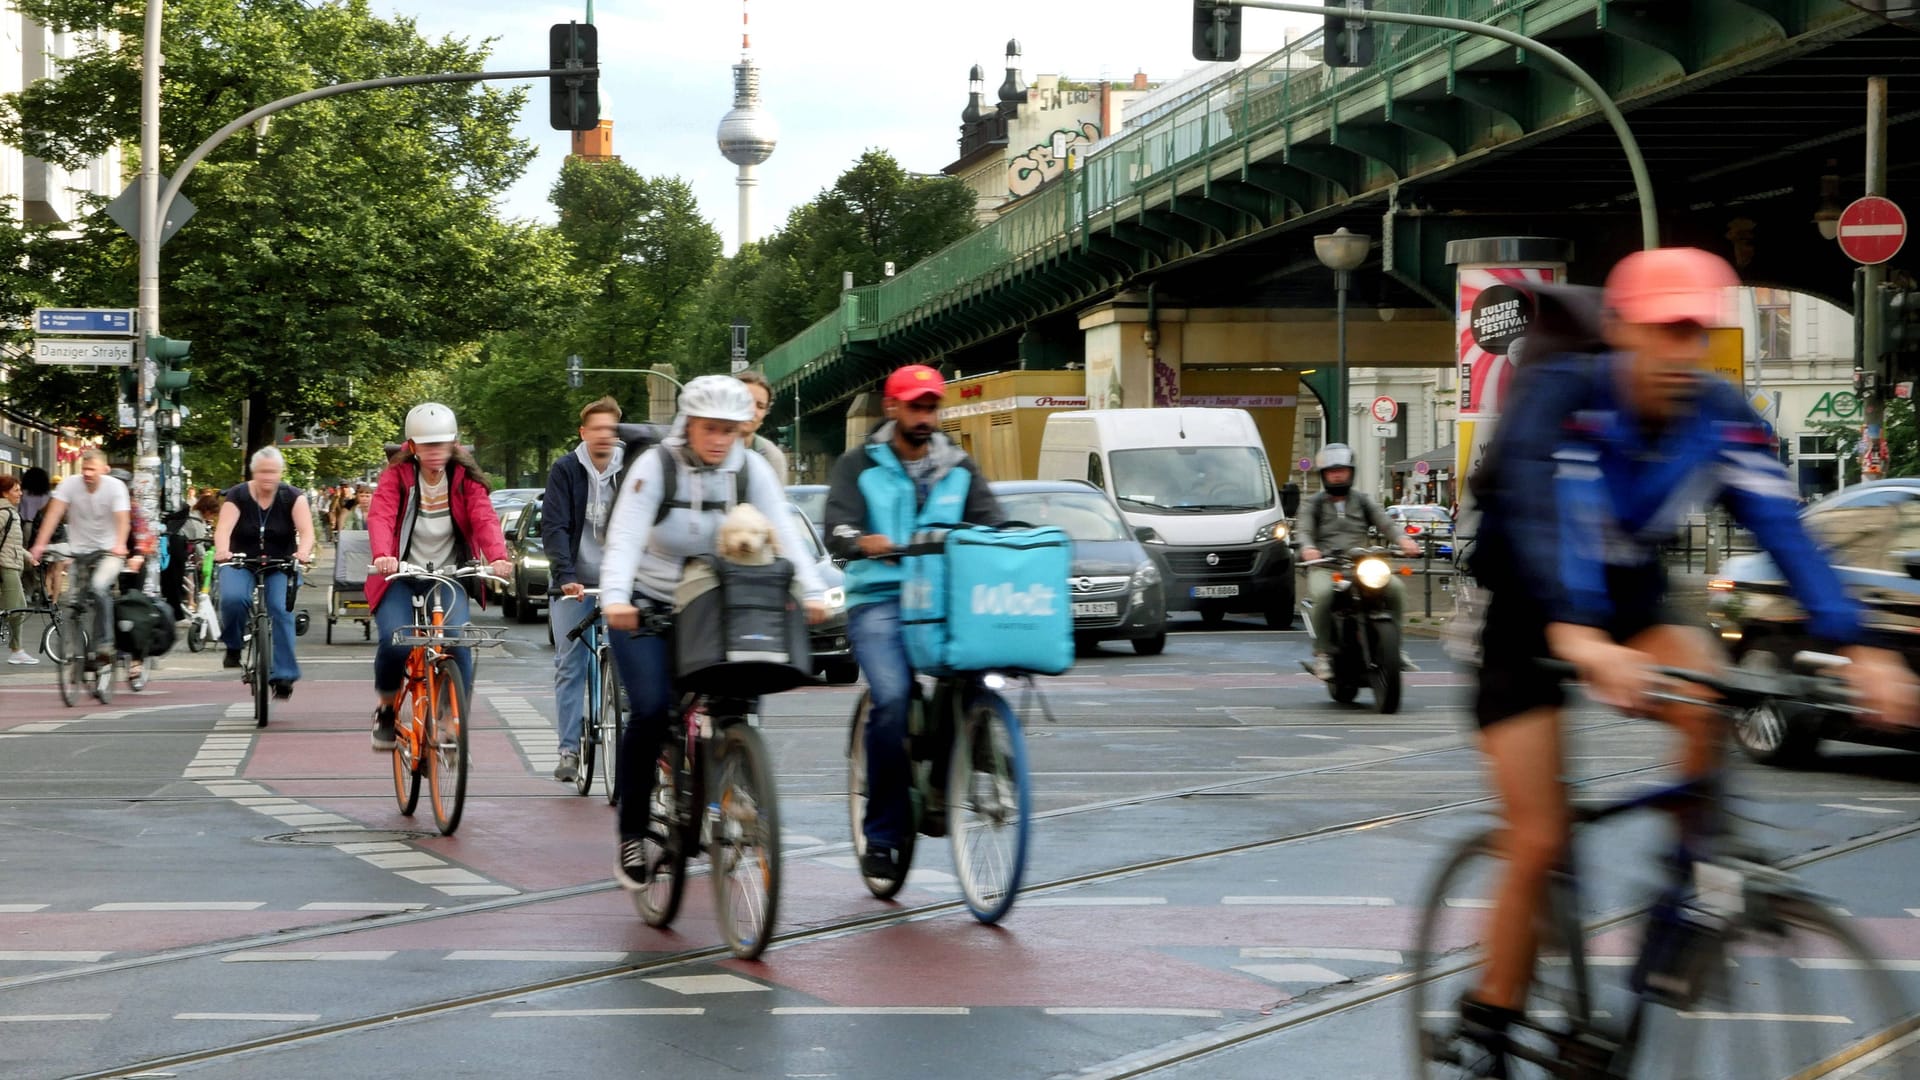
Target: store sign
{"x": 1835, "y": 405}
{"x": 1005, "y": 404}
{"x": 1241, "y": 401}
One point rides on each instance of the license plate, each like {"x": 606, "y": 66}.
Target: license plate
{"x": 1214, "y": 592}
{"x": 1096, "y": 607}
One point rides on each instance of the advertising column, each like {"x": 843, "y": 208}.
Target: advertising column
{"x": 1491, "y": 310}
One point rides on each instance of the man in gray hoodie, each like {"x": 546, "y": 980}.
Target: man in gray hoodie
{"x": 574, "y": 512}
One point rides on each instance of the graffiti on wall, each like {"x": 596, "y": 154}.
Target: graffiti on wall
{"x": 1040, "y": 164}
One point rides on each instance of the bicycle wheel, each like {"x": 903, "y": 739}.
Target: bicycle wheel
{"x": 406, "y": 763}
{"x": 743, "y": 811}
{"x": 988, "y": 804}
{"x": 589, "y": 734}
{"x": 1786, "y": 989}
{"x": 446, "y": 746}
{"x": 607, "y": 727}
{"x": 67, "y": 648}
{"x": 196, "y": 635}
{"x": 50, "y": 646}
{"x": 261, "y": 669}
{"x": 1447, "y": 951}
{"x": 670, "y": 836}
{"x": 881, "y": 888}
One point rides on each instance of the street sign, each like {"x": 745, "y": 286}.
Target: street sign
{"x": 1385, "y": 431}
{"x": 83, "y": 321}
{"x": 83, "y": 353}
{"x": 125, "y": 212}
{"x": 1872, "y": 230}
{"x": 1421, "y": 468}
{"x": 1385, "y": 409}
{"x": 1306, "y": 464}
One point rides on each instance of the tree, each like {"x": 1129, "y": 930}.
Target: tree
{"x": 353, "y": 244}
{"x": 875, "y": 213}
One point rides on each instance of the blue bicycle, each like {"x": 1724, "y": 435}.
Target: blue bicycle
{"x": 604, "y": 711}
{"x": 1740, "y": 970}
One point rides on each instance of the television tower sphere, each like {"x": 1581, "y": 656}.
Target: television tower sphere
{"x": 747, "y": 134}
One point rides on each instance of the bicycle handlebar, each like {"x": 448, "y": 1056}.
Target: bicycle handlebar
{"x": 1743, "y": 688}
{"x": 453, "y": 575}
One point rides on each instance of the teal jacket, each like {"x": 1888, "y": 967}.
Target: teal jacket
{"x": 869, "y": 491}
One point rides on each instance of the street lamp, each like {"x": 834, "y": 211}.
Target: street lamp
{"x": 1342, "y": 252}
{"x": 1827, "y": 218}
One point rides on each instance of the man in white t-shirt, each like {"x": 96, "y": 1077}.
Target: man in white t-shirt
{"x": 98, "y": 512}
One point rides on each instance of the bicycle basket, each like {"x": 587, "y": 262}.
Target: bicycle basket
{"x": 738, "y": 630}
{"x": 421, "y": 635}
{"x": 989, "y": 600}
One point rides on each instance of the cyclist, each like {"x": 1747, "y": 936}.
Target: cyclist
{"x": 1335, "y": 519}
{"x": 647, "y": 547}
{"x": 98, "y": 513}
{"x": 431, "y": 509}
{"x": 263, "y": 518}
{"x": 1594, "y": 462}
{"x": 574, "y": 512}
{"x": 762, "y": 392}
{"x": 905, "y": 477}
{"x": 13, "y": 561}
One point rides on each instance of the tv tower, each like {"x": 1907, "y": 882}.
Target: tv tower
{"x": 747, "y": 133}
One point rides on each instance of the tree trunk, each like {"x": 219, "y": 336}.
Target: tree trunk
{"x": 259, "y": 433}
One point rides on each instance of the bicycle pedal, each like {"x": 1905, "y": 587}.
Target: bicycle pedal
{"x": 933, "y": 823}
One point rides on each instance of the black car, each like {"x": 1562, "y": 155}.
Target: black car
{"x": 525, "y": 597}
{"x": 1117, "y": 592}
{"x": 832, "y": 655}
{"x": 1872, "y": 531}
{"x": 812, "y": 501}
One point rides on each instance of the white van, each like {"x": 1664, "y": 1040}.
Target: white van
{"x": 1196, "y": 487}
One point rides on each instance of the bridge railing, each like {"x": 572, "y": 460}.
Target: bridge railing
{"x": 1235, "y": 107}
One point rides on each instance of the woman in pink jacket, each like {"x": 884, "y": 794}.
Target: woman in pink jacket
{"x": 431, "y": 509}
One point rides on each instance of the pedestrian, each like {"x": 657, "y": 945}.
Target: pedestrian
{"x": 762, "y": 392}
{"x": 13, "y": 563}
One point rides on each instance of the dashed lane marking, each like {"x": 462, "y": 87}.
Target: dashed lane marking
{"x": 537, "y": 956}
{"x": 1292, "y": 973}
{"x": 52, "y": 956}
{"x": 691, "y": 985}
{"x": 53, "y": 1018}
{"x": 1271, "y": 952}
{"x": 1859, "y": 809}
{"x": 181, "y": 905}
{"x": 1061, "y": 1010}
{"x": 1767, "y": 1017}
{"x": 1844, "y": 963}
{"x": 290, "y": 957}
{"x": 21, "y": 909}
{"x": 1308, "y": 901}
{"x": 871, "y": 1010}
{"x": 356, "y": 905}
{"x": 1092, "y": 901}
{"x": 282, "y": 1018}
{"x": 530, "y": 731}
{"x": 536, "y": 1014}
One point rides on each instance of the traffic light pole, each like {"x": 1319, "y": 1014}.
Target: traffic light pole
{"x": 1636, "y": 163}
{"x": 146, "y": 434}
{"x": 1872, "y": 375}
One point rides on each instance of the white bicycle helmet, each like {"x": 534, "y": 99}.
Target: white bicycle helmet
{"x": 432, "y": 422}
{"x": 1334, "y": 456}
{"x": 717, "y": 397}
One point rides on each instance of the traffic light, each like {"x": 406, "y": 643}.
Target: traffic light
{"x": 574, "y": 99}
{"x": 170, "y": 374}
{"x": 1900, "y": 323}
{"x": 1216, "y": 31}
{"x": 574, "y": 379}
{"x": 785, "y": 437}
{"x": 1348, "y": 39}
{"x": 129, "y": 385}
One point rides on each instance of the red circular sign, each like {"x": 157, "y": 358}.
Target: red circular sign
{"x": 1385, "y": 409}
{"x": 1872, "y": 230}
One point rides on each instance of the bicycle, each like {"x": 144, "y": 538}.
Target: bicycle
{"x": 713, "y": 758}
{"x": 202, "y": 630}
{"x": 430, "y": 729}
{"x": 602, "y": 723}
{"x": 1714, "y": 912}
{"x": 968, "y": 734}
{"x": 256, "y": 644}
{"x": 69, "y": 638}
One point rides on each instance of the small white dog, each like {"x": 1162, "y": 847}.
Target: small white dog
{"x": 746, "y": 537}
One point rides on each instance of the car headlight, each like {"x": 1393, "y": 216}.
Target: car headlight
{"x": 1147, "y": 574}
{"x": 1276, "y": 531}
{"x": 836, "y": 598}
{"x": 1373, "y": 573}
{"x": 535, "y": 562}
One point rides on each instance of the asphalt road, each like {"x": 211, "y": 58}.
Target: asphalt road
{"x": 1225, "y": 879}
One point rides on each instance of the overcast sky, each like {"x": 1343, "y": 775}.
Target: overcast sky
{"x": 839, "y": 76}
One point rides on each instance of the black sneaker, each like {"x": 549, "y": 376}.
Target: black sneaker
{"x": 383, "y": 728}
{"x": 282, "y": 689}
{"x": 631, "y": 869}
{"x": 1483, "y": 1038}
{"x": 232, "y": 660}
{"x": 881, "y": 863}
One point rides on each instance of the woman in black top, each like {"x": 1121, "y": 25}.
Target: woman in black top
{"x": 263, "y": 518}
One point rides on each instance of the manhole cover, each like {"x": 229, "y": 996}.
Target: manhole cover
{"x": 329, "y": 837}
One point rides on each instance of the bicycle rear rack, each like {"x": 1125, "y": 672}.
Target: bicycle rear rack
{"x": 451, "y": 637}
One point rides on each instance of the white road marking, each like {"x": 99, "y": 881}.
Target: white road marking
{"x": 1076, "y": 1011}
{"x": 541, "y": 1013}
{"x": 450, "y": 876}
{"x": 20, "y": 909}
{"x": 181, "y": 905}
{"x": 1292, "y": 973}
{"x": 476, "y": 890}
{"x": 1833, "y": 963}
{"x": 1092, "y": 901}
{"x": 1861, "y": 1065}
{"x": 707, "y": 984}
{"x": 355, "y": 905}
{"x": 870, "y": 1011}
{"x": 398, "y": 860}
{"x": 367, "y": 847}
{"x": 290, "y": 1018}
{"x": 52, "y": 1018}
{"x": 52, "y": 956}
{"x": 1284, "y": 952}
{"x": 1771, "y": 1018}
{"x": 1308, "y": 901}
{"x": 290, "y": 957}
{"x": 1859, "y": 809}
{"x": 1468, "y": 902}
{"x": 536, "y": 956}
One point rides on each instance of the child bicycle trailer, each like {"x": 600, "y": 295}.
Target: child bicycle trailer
{"x": 739, "y": 631}
{"x": 979, "y": 599}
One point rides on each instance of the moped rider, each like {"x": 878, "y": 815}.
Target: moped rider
{"x": 1334, "y": 520}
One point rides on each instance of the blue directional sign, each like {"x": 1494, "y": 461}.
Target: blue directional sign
{"x": 83, "y": 321}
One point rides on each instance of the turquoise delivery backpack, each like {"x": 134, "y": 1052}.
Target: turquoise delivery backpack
{"x": 980, "y": 599}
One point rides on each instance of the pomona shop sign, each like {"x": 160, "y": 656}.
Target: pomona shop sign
{"x": 1024, "y": 401}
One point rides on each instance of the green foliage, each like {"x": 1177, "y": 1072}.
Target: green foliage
{"x": 354, "y": 243}
{"x": 1903, "y": 441}
{"x": 875, "y": 213}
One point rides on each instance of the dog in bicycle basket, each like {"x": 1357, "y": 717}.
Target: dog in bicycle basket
{"x": 746, "y": 537}
{"x": 739, "y": 630}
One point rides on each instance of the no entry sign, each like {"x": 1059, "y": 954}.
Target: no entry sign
{"x": 1872, "y": 230}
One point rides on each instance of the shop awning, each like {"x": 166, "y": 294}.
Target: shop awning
{"x": 1438, "y": 461}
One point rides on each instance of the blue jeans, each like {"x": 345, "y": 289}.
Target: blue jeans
{"x": 874, "y": 632}
{"x": 645, "y": 664}
{"x": 236, "y": 592}
{"x": 396, "y": 611}
{"x": 570, "y": 661}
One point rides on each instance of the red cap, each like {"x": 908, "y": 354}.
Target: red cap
{"x": 915, "y": 381}
{"x": 1671, "y": 285}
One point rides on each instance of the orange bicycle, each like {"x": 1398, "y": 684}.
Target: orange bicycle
{"x": 430, "y": 716}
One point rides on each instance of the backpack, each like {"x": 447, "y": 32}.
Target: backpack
{"x": 670, "y": 485}
{"x": 143, "y": 627}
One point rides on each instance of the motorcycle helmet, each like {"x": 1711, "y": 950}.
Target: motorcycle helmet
{"x": 1335, "y": 456}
